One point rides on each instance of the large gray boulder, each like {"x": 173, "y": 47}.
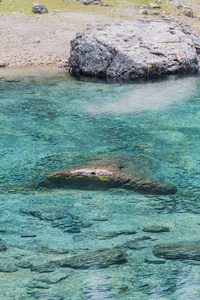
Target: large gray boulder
{"x": 133, "y": 49}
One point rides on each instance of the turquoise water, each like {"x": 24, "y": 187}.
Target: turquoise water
{"x": 53, "y": 121}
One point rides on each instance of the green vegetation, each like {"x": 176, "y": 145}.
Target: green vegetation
{"x": 122, "y": 9}
{"x": 26, "y": 6}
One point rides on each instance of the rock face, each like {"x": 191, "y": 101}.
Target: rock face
{"x": 105, "y": 174}
{"x": 134, "y": 49}
{"x": 180, "y": 250}
{"x": 39, "y": 8}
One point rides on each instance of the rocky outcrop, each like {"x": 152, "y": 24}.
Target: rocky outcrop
{"x": 134, "y": 49}
{"x": 180, "y": 250}
{"x": 105, "y": 174}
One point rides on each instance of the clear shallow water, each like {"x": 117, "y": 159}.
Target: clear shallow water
{"x": 53, "y": 121}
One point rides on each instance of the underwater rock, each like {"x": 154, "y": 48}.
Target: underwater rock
{"x": 154, "y": 262}
{"x": 55, "y": 277}
{"x": 8, "y": 268}
{"x": 24, "y": 264}
{"x": 180, "y": 250}
{"x": 58, "y": 218}
{"x": 91, "y": 260}
{"x": 135, "y": 244}
{"x": 2, "y": 247}
{"x": 45, "y": 268}
{"x": 114, "y": 234}
{"x": 47, "y": 250}
{"x": 45, "y": 295}
{"x": 105, "y": 174}
{"x": 96, "y": 259}
{"x": 135, "y": 49}
{"x": 38, "y": 285}
{"x": 28, "y": 235}
{"x": 155, "y": 229}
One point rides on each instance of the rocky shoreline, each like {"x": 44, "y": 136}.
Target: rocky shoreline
{"x": 29, "y": 39}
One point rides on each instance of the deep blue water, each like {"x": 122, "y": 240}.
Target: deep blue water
{"x": 51, "y": 121}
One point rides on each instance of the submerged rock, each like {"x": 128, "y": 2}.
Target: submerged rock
{"x": 106, "y": 174}
{"x": 2, "y": 247}
{"x": 96, "y": 259}
{"x": 180, "y": 250}
{"x": 154, "y": 261}
{"x": 114, "y": 234}
{"x": 91, "y": 260}
{"x": 8, "y": 268}
{"x": 58, "y": 218}
{"x": 155, "y": 229}
{"x": 134, "y": 49}
{"x": 24, "y": 264}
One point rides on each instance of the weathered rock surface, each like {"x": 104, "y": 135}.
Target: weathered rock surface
{"x": 180, "y": 250}
{"x": 106, "y": 174}
{"x": 136, "y": 244}
{"x": 39, "y": 8}
{"x": 96, "y": 259}
{"x": 155, "y": 229}
{"x": 134, "y": 49}
{"x": 58, "y": 218}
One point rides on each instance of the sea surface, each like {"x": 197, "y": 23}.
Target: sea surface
{"x": 50, "y": 121}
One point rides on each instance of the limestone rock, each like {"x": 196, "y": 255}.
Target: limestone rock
{"x": 23, "y": 264}
{"x": 107, "y": 173}
{"x": 58, "y": 218}
{"x": 143, "y": 12}
{"x": 90, "y": 260}
{"x": 180, "y": 250}
{"x": 8, "y": 268}
{"x": 134, "y": 49}
{"x": 155, "y": 229}
{"x": 90, "y": 178}
{"x": 39, "y": 8}
{"x": 154, "y": 6}
{"x": 188, "y": 12}
{"x": 154, "y": 262}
